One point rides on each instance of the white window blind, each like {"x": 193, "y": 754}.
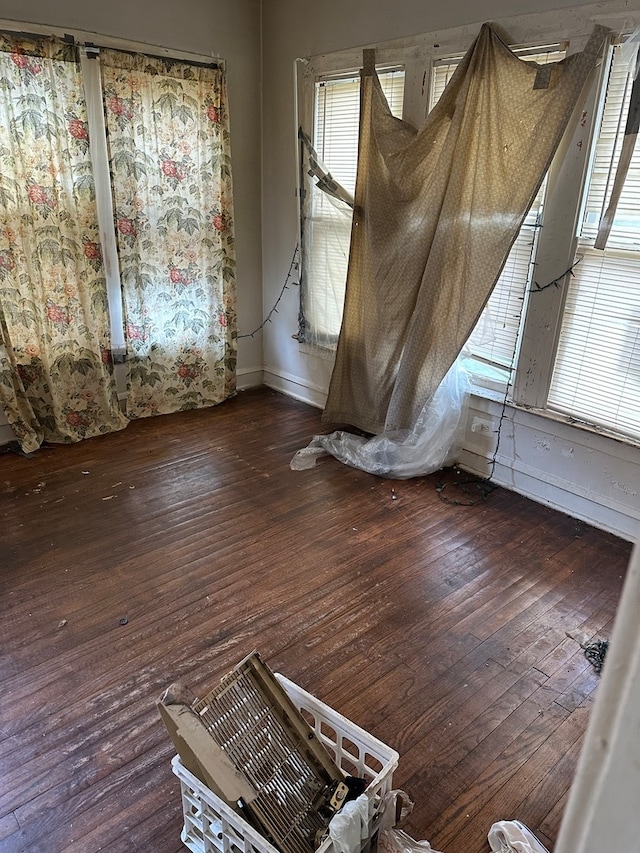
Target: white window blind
{"x": 625, "y": 232}
{"x": 337, "y": 115}
{"x": 495, "y": 336}
{"x": 327, "y": 228}
{"x": 597, "y": 370}
{"x": 596, "y": 376}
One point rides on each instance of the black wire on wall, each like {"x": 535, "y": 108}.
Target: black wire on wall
{"x": 293, "y": 268}
{"x": 478, "y": 489}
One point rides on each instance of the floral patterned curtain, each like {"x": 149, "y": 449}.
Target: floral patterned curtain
{"x": 56, "y": 378}
{"x": 170, "y": 169}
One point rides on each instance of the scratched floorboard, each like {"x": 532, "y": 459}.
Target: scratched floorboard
{"x": 440, "y": 628}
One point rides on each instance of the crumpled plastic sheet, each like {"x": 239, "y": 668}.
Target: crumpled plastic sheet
{"x": 397, "y": 841}
{"x": 391, "y": 839}
{"x": 511, "y": 836}
{"x": 432, "y": 443}
{"x": 505, "y": 836}
{"x": 629, "y": 51}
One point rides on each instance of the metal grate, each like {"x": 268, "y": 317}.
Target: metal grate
{"x": 266, "y": 739}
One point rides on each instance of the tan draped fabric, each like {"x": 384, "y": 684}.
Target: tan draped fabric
{"x": 436, "y": 213}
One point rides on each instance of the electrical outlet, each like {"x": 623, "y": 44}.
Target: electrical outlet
{"x": 481, "y": 425}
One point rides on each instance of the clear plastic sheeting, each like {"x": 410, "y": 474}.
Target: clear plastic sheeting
{"x": 629, "y": 53}
{"x": 391, "y": 839}
{"x": 430, "y": 444}
{"x": 511, "y": 836}
{"x": 505, "y": 836}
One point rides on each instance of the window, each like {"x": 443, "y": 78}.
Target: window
{"x": 116, "y": 230}
{"x": 574, "y": 347}
{"x": 327, "y": 221}
{"x": 596, "y": 376}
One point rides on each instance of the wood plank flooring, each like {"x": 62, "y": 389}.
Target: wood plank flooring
{"x": 178, "y": 545}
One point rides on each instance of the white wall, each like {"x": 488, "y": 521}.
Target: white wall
{"x": 602, "y": 811}
{"x": 229, "y": 29}
{"x": 587, "y": 475}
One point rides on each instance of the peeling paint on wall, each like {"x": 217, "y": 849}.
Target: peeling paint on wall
{"x": 623, "y": 488}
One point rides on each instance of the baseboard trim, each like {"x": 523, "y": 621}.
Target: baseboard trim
{"x": 249, "y": 377}
{"x": 305, "y": 392}
{"x": 556, "y": 493}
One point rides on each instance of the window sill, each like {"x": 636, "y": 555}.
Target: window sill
{"x": 490, "y": 383}
{"x": 594, "y": 429}
{"x": 487, "y": 381}
{"x": 325, "y": 353}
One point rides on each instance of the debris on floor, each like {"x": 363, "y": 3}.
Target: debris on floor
{"x": 595, "y": 653}
{"x": 391, "y": 838}
{"x": 594, "y": 650}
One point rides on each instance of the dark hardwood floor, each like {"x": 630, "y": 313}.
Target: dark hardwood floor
{"x": 439, "y": 628}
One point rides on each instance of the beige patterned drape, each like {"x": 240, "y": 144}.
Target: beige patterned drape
{"x": 56, "y": 376}
{"x": 436, "y": 213}
{"x": 170, "y": 161}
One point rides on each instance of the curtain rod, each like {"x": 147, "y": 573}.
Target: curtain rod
{"x": 96, "y": 48}
{"x": 89, "y": 39}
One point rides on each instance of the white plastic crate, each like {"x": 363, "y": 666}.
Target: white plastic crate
{"x": 211, "y": 826}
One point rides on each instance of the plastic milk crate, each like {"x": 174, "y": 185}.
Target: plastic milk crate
{"x": 211, "y": 826}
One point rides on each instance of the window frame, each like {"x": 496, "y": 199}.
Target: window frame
{"x": 90, "y": 40}
{"x": 312, "y": 218}
{"x": 557, "y": 245}
{"x": 598, "y": 278}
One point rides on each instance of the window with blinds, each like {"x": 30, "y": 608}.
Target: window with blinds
{"x": 327, "y": 225}
{"x": 596, "y": 376}
{"x": 625, "y": 232}
{"x": 495, "y": 336}
{"x": 337, "y": 116}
